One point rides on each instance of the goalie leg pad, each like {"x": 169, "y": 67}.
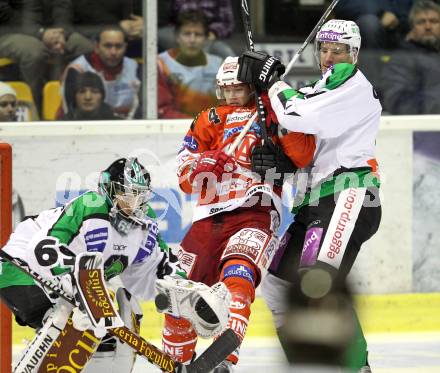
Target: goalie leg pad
{"x": 238, "y": 275}
{"x": 46, "y": 336}
{"x": 114, "y": 356}
{"x": 71, "y": 351}
{"x": 179, "y": 339}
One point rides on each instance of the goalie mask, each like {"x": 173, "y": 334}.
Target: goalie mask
{"x": 126, "y": 186}
{"x": 339, "y": 31}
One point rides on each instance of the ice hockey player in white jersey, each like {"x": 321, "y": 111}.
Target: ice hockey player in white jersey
{"x": 116, "y": 221}
{"x": 337, "y": 207}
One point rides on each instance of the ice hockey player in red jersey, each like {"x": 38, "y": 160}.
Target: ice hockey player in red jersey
{"x": 233, "y": 235}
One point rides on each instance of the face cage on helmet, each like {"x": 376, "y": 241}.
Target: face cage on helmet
{"x": 135, "y": 197}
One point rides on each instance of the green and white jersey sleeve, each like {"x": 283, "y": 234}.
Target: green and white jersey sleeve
{"x": 342, "y": 100}
{"x": 50, "y": 241}
{"x": 82, "y": 225}
{"x": 341, "y": 110}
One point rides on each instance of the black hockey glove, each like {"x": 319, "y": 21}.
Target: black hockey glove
{"x": 271, "y": 157}
{"x": 260, "y": 69}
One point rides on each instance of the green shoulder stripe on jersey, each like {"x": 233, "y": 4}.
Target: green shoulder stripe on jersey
{"x": 162, "y": 244}
{"x": 89, "y": 205}
{"x": 341, "y": 73}
{"x": 289, "y": 93}
{"x": 353, "y": 179}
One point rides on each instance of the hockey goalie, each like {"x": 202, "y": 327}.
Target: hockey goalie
{"x": 104, "y": 250}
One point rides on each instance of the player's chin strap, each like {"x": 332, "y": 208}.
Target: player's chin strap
{"x": 207, "y": 361}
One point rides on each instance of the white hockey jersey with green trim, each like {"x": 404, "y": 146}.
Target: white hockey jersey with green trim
{"x": 342, "y": 110}
{"x": 48, "y": 241}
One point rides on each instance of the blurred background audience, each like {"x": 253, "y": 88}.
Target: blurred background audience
{"x": 120, "y": 74}
{"x": 220, "y": 19}
{"x": 86, "y": 97}
{"x": 186, "y": 74}
{"x": 42, "y": 40}
{"x": 411, "y": 79}
{"x": 8, "y": 103}
{"x": 382, "y": 22}
{"x": 36, "y": 32}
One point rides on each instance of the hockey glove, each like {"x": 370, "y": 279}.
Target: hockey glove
{"x": 212, "y": 163}
{"x": 270, "y": 162}
{"x": 260, "y": 69}
{"x": 207, "y": 308}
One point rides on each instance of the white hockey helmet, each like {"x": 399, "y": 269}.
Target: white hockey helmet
{"x": 227, "y": 75}
{"x": 339, "y": 31}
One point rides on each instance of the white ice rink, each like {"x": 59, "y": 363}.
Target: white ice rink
{"x": 389, "y": 353}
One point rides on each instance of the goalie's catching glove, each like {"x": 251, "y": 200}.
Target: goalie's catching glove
{"x": 207, "y": 308}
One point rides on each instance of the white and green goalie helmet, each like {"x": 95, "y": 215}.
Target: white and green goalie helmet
{"x": 339, "y": 31}
{"x": 126, "y": 186}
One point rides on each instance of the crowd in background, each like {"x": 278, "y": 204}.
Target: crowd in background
{"x": 93, "y": 52}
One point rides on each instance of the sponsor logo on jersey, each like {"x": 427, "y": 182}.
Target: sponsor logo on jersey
{"x": 247, "y": 242}
{"x": 216, "y": 210}
{"x": 237, "y": 305}
{"x": 96, "y": 239}
{"x": 269, "y": 252}
{"x": 311, "y": 246}
{"x": 186, "y": 260}
{"x": 238, "y": 117}
{"x": 119, "y": 247}
{"x": 239, "y": 271}
{"x": 189, "y": 142}
{"x": 238, "y": 324}
{"x": 150, "y": 243}
{"x": 255, "y": 128}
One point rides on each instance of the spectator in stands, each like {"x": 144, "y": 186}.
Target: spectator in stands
{"x": 34, "y": 30}
{"x": 120, "y": 74}
{"x": 89, "y": 17}
{"x": 186, "y": 74}
{"x": 220, "y": 20}
{"x": 411, "y": 80}
{"x": 382, "y": 22}
{"x": 8, "y": 103}
{"x": 86, "y": 99}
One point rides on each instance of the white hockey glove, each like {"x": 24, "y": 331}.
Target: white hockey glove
{"x": 207, "y": 308}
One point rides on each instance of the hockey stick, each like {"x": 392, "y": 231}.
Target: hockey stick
{"x": 241, "y": 135}
{"x": 144, "y": 348}
{"x": 310, "y": 37}
{"x": 207, "y": 361}
{"x": 250, "y": 43}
